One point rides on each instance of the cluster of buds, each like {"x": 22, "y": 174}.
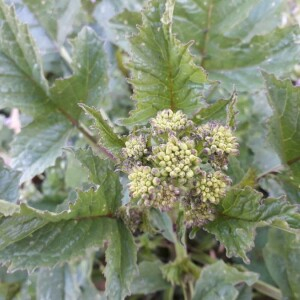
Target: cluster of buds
{"x": 218, "y": 141}
{"x": 168, "y": 121}
{"x": 135, "y": 147}
{"x": 171, "y": 166}
{"x": 176, "y": 159}
{"x": 211, "y": 187}
{"x": 198, "y": 213}
{"x": 143, "y": 181}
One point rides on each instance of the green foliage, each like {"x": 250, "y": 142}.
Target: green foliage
{"x": 164, "y": 74}
{"x": 281, "y": 256}
{"x": 219, "y": 73}
{"x": 107, "y": 136}
{"x": 9, "y": 185}
{"x": 241, "y": 211}
{"x": 219, "y": 280}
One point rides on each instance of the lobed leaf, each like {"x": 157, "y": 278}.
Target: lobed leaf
{"x": 164, "y": 74}
{"x": 236, "y": 38}
{"x": 42, "y": 238}
{"x": 89, "y": 81}
{"x": 241, "y": 211}
{"x": 22, "y": 83}
{"x": 38, "y": 145}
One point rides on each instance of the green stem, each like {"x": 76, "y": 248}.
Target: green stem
{"x": 268, "y": 290}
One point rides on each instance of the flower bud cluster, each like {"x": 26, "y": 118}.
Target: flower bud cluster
{"x": 211, "y": 187}
{"x": 176, "y": 159}
{"x": 169, "y": 121}
{"x": 198, "y": 213}
{"x": 135, "y": 147}
{"x": 218, "y": 139}
{"x": 171, "y": 166}
{"x": 143, "y": 181}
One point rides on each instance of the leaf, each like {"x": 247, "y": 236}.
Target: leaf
{"x": 284, "y": 99}
{"x": 241, "y": 211}
{"x": 7, "y": 208}
{"x": 39, "y": 144}
{"x": 22, "y": 83}
{"x": 70, "y": 281}
{"x": 237, "y": 38}
{"x": 164, "y": 74}
{"x": 121, "y": 255}
{"x": 217, "y": 111}
{"x": 94, "y": 164}
{"x": 9, "y": 183}
{"x": 148, "y": 279}
{"x": 214, "y": 111}
{"x": 163, "y": 222}
{"x": 41, "y": 238}
{"x": 231, "y": 111}
{"x": 89, "y": 80}
{"x": 108, "y": 138}
{"x": 57, "y": 20}
{"x": 281, "y": 255}
{"x": 122, "y": 26}
{"x": 218, "y": 281}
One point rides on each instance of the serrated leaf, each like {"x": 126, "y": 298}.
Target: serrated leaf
{"x": 42, "y": 238}
{"x": 122, "y": 26}
{"x": 22, "y": 83}
{"x": 241, "y": 211}
{"x": 39, "y": 144}
{"x": 108, "y": 138}
{"x": 281, "y": 255}
{"x": 89, "y": 80}
{"x": 56, "y": 19}
{"x": 149, "y": 279}
{"x": 164, "y": 74}
{"x": 94, "y": 164}
{"x": 9, "y": 183}
{"x": 218, "y": 281}
{"x": 236, "y": 38}
{"x": 121, "y": 266}
{"x": 215, "y": 111}
{"x": 284, "y": 127}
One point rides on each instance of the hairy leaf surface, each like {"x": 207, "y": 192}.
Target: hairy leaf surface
{"x": 241, "y": 211}
{"x": 164, "y": 74}
{"x": 218, "y": 281}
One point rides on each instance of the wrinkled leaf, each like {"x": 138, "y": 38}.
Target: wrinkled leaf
{"x": 164, "y": 74}
{"x": 218, "y": 281}
{"x": 241, "y": 211}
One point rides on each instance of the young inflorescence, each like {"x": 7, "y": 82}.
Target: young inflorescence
{"x": 177, "y": 164}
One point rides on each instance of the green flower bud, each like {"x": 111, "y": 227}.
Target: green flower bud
{"x": 218, "y": 142}
{"x": 211, "y": 187}
{"x": 168, "y": 121}
{"x": 135, "y": 147}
